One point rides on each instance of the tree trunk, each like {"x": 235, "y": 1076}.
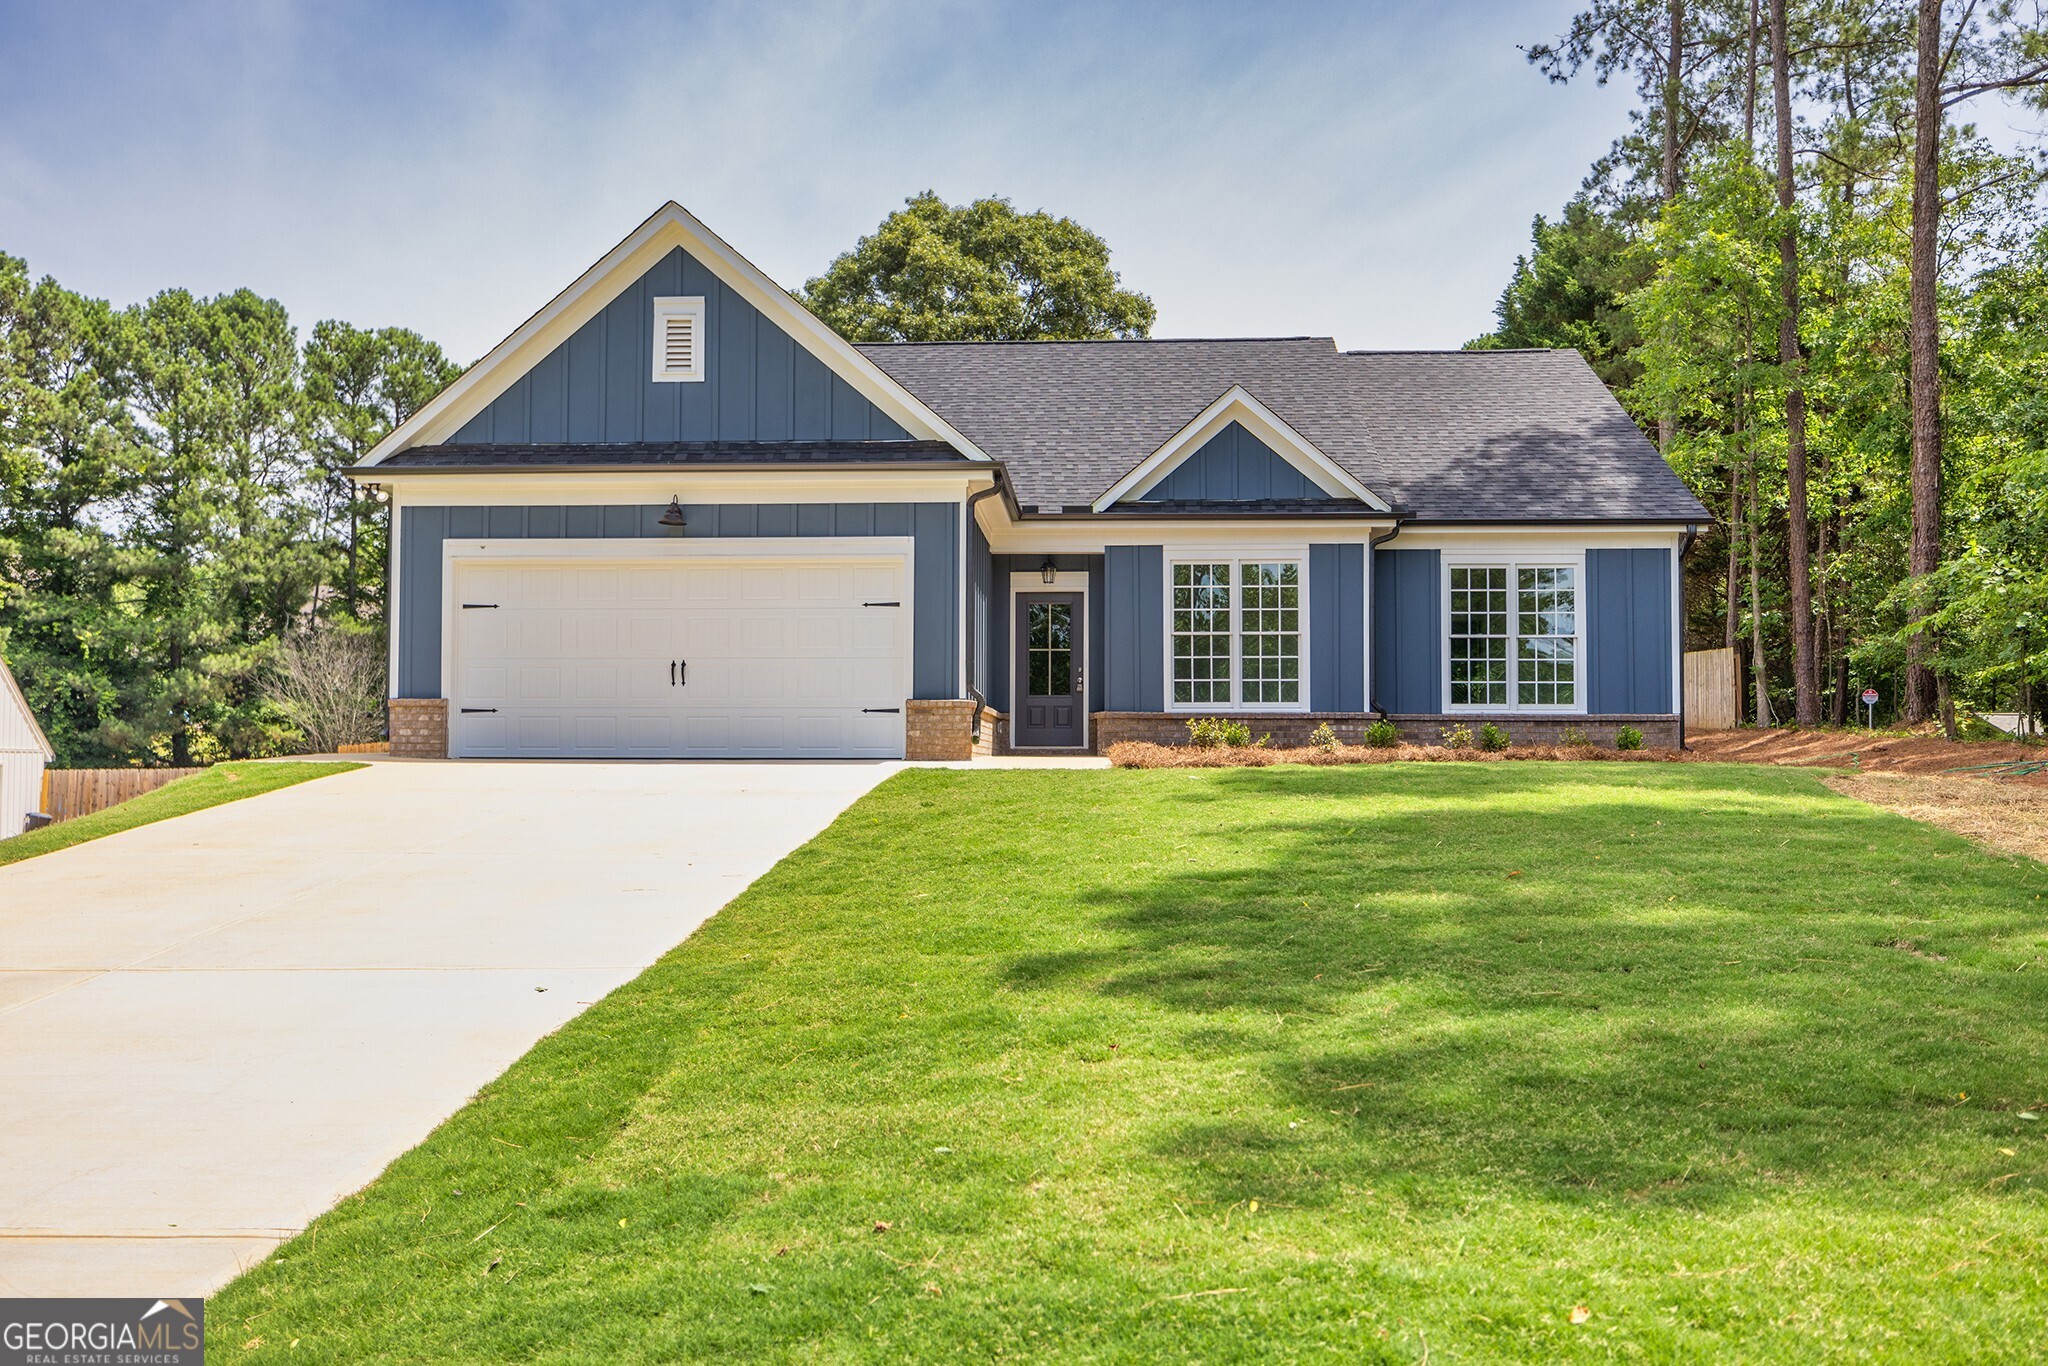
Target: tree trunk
{"x": 1667, "y": 420}
{"x": 1924, "y": 330}
{"x": 1759, "y": 667}
{"x": 1731, "y": 625}
{"x": 1805, "y": 679}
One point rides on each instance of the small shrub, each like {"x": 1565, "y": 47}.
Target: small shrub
{"x": 1214, "y": 732}
{"x": 1628, "y": 737}
{"x": 1324, "y": 737}
{"x": 1493, "y": 739}
{"x": 1573, "y": 736}
{"x": 1457, "y": 737}
{"x": 1382, "y": 734}
{"x": 1974, "y": 727}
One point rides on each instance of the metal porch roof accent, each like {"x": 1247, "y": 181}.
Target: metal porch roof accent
{"x": 1445, "y": 436}
{"x": 590, "y": 455}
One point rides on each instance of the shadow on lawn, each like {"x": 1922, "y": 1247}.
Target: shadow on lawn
{"x": 1439, "y": 985}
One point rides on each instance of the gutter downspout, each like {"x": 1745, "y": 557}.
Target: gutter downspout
{"x": 1372, "y": 699}
{"x": 980, "y": 702}
{"x": 1692, "y": 534}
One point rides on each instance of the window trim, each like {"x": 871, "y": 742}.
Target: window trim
{"x": 1574, "y": 561}
{"x": 689, "y": 306}
{"x": 1236, "y": 557}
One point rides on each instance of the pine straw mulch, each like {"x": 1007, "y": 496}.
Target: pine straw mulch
{"x": 1924, "y": 751}
{"x": 2009, "y": 817}
{"x": 1135, "y": 754}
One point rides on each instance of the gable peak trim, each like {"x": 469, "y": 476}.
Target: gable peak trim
{"x": 1237, "y": 404}
{"x": 667, "y": 228}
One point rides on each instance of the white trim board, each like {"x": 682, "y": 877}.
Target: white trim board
{"x": 669, "y": 227}
{"x": 656, "y": 487}
{"x": 1236, "y": 404}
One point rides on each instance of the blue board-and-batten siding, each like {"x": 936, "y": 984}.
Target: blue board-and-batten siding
{"x": 1628, "y": 631}
{"x": 1407, "y": 631}
{"x": 1230, "y": 466}
{"x": 1336, "y": 627}
{"x": 934, "y": 527}
{"x": 759, "y": 384}
{"x": 1134, "y": 624}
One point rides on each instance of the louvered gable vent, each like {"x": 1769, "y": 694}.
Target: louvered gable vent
{"x": 679, "y": 340}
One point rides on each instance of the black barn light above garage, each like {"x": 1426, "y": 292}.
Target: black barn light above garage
{"x": 672, "y": 518}
{"x": 1048, "y": 571}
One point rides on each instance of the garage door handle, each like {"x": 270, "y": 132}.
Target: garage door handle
{"x": 891, "y": 711}
{"x": 671, "y": 673}
{"x": 467, "y": 711}
{"x": 881, "y": 604}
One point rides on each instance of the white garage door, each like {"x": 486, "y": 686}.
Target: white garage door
{"x": 680, "y": 658}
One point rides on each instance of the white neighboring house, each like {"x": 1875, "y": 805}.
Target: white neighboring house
{"x": 24, "y": 751}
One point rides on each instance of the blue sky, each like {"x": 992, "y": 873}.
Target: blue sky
{"x": 1363, "y": 170}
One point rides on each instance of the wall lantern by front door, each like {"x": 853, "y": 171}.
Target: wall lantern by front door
{"x": 672, "y": 518}
{"x": 1048, "y": 571}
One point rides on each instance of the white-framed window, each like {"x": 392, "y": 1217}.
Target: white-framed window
{"x": 1512, "y": 637}
{"x": 679, "y": 340}
{"x": 1235, "y": 637}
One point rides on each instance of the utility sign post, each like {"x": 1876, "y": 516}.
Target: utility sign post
{"x": 1870, "y": 709}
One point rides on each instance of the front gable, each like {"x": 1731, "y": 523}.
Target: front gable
{"x": 758, "y": 383}
{"x": 582, "y": 369}
{"x": 1231, "y": 466}
{"x": 1237, "y": 450}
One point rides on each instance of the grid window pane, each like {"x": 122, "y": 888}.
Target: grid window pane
{"x": 1201, "y": 633}
{"x": 1269, "y": 632}
{"x": 1479, "y": 636}
{"x": 1050, "y": 642}
{"x": 1546, "y": 645}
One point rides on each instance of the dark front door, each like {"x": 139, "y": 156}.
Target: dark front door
{"x": 1051, "y": 707}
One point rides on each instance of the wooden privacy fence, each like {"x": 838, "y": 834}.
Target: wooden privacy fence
{"x": 71, "y": 792}
{"x": 1710, "y": 690}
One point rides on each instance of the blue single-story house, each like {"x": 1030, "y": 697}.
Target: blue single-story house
{"x": 674, "y": 514}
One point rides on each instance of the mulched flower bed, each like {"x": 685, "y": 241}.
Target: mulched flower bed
{"x": 1133, "y": 754}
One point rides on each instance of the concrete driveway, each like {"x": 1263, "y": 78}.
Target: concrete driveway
{"x": 213, "y": 1028}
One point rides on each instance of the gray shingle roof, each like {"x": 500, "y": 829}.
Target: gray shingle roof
{"x": 1442, "y": 435}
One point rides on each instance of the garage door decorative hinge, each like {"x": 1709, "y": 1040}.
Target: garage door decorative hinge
{"x": 472, "y": 606}
{"x": 887, "y": 710}
{"x": 881, "y": 604}
{"x": 467, "y": 711}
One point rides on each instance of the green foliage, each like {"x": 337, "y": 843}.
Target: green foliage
{"x": 1628, "y": 737}
{"x": 1697, "y": 1067}
{"x": 1217, "y": 732}
{"x": 1493, "y": 739}
{"x": 1382, "y": 734}
{"x": 1573, "y": 736}
{"x": 1324, "y": 737}
{"x": 1457, "y": 735}
{"x": 976, "y": 272}
{"x": 169, "y": 508}
{"x": 1569, "y": 291}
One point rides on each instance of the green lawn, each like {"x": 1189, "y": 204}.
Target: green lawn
{"x": 1367, "y": 1063}
{"x": 221, "y": 783}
